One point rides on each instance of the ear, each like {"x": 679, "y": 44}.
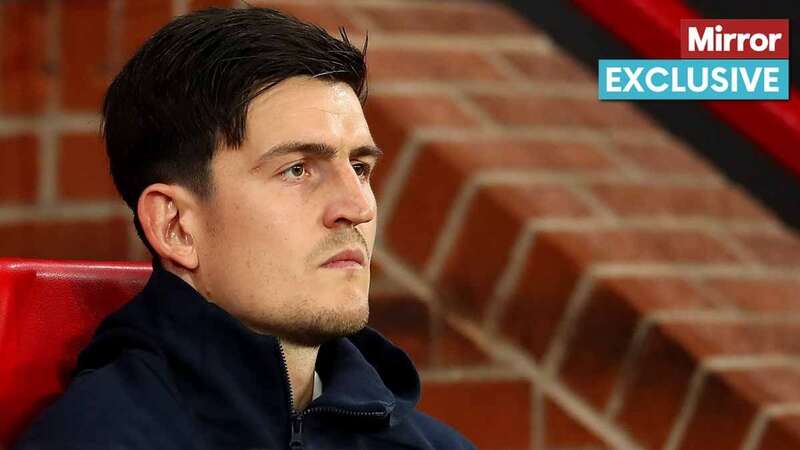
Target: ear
{"x": 167, "y": 214}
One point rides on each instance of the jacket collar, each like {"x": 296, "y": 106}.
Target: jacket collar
{"x": 222, "y": 369}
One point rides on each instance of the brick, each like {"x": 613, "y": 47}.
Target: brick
{"x": 642, "y": 245}
{"x": 772, "y": 249}
{"x": 428, "y": 340}
{"x": 83, "y": 172}
{"x": 759, "y": 295}
{"x": 392, "y": 118}
{"x": 564, "y": 431}
{"x": 328, "y": 16}
{"x": 557, "y": 67}
{"x": 24, "y": 73}
{"x": 607, "y": 326}
{"x": 656, "y": 394}
{"x": 534, "y": 310}
{"x": 641, "y": 200}
{"x": 448, "y": 18}
{"x": 201, "y": 4}
{"x": 500, "y": 420}
{"x": 95, "y": 239}
{"x": 650, "y": 295}
{"x": 526, "y": 110}
{"x": 140, "y": 19}
{"x": 558, "y": 258}
{"x": 669, "y": 360}
{"x": 86, "y": 68}
{"x": 404, "y": 321}
{"x": 765, "y": 385}
{"x": 782, "y": 433}
{"x": 664, "y": 159}
{"x": 427, "y": 65}
{"x": 476, "y": 263}
{"x": 19, "y": 168}
{"x": 727, "y": 403}
{"x": 721, "y": 419}
{"x": 521, "y": 154}
{"x": 452, "y": 348}
{"x": 421, "y": 211}
{"x": 731, "y": 399}
{"x": 731, "y": 338}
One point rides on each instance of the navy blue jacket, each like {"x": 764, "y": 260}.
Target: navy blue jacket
{"x": 170, "y": 370}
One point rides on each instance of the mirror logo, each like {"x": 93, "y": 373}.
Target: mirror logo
{"x": 724, "y": 59}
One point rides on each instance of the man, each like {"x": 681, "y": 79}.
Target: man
{"x": 237, "y": 137}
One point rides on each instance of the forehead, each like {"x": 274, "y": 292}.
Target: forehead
{"x": 306, "y": 109}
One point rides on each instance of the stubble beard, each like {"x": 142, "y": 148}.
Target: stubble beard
{"x": 311, "y": 327}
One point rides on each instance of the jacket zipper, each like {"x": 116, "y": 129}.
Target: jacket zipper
{"x": 296, "y": 418}
{"x": 296, "y": 441}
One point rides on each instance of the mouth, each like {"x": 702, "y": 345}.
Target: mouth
{"x": 351, "y": 258}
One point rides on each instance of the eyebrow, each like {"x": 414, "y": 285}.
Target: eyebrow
{"x": 316, "y": 149}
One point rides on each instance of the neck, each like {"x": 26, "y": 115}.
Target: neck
{"x": 300, "y": 361}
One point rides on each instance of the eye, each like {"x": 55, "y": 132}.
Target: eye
{"x": 363, "y": 170}
{"x": 296, "y": 171}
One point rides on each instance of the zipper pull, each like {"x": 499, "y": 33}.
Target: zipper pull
{"x": 296, "y": 442}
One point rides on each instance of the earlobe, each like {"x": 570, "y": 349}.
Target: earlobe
{"x": 164, "y": 213}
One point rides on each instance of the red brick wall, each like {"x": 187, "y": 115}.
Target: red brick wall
{"x": 565, "y": 273}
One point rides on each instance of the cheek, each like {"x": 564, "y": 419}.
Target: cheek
{"x": 228, "y": 226}
{"x": 255, "y": 230}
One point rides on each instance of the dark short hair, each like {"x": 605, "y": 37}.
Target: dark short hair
{"x": 186, "y": 91}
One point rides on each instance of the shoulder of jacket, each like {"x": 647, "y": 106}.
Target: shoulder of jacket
{"x": 125, "y": 404}
{"x": 135, "y": 375}
{"x": 440, "y": 434}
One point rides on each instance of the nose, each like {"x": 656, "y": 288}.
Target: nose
{"x": 351, "y": 199}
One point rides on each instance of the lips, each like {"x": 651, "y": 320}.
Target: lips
{"x": 348, "y": 255}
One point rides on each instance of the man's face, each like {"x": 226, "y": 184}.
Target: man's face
{"x": 274, "y": 218}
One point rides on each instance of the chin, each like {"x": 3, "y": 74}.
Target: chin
{"x": 318, "y": 334}
{"x": 336, "y": 316}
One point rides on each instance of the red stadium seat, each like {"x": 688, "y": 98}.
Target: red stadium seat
{"x": 48, "y": 313}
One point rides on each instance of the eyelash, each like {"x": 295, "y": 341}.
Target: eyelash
{"x": 365, "y": 167}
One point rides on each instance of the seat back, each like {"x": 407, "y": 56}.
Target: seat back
{"x": 49, "y": 311}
